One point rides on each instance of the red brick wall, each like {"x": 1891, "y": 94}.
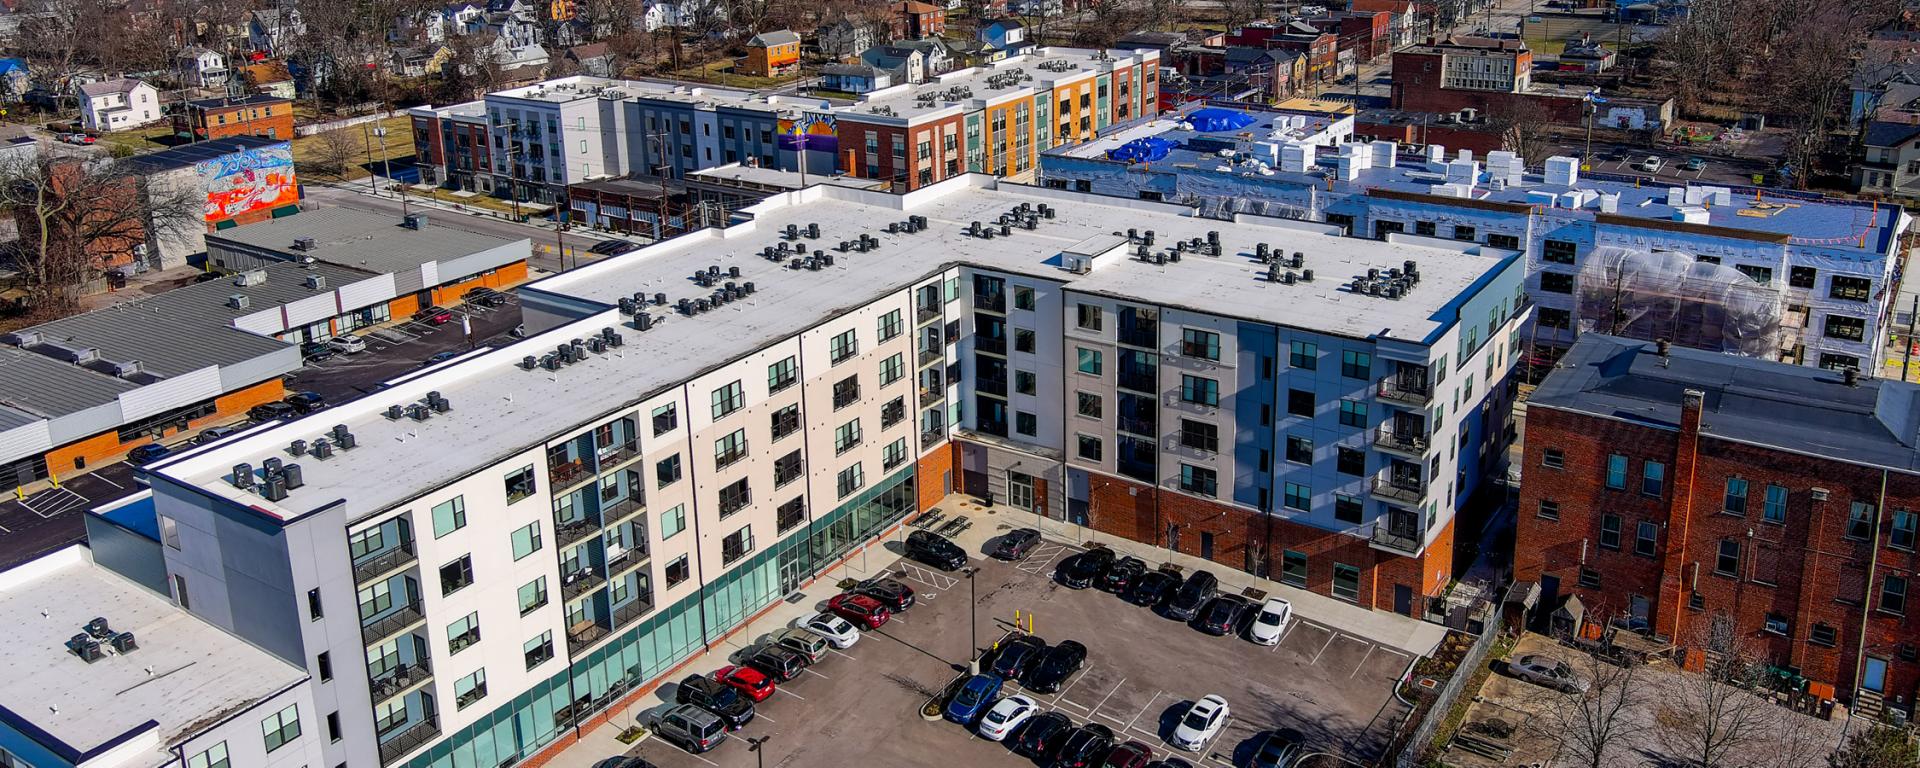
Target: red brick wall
{"x": 930, "y": 474}
{"x": 853, "y": 150}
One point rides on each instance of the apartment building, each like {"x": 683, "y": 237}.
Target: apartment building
{"x": 1816, "y": 270}
{"x": 666, "y": 456}
{"x": 1675, "y": 491}
{"x": 253, "y": 115}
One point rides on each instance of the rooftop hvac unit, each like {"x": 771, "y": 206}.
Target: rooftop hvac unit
{"x": 643, "y": 322}
{"x": 274, "y": 489}
{"x": 297, "y": 448}
{"x": 99, "y": 628}
{"x": 242, "y": 476}
{"x": 238, "y": 301}
{"x": 418, "y": 412}
{"x": 84, "y": 646}
{"x": 527, "y": 363}
{"x": 395, "y": 412}
{"x": 322, "y": 449}
{"x": 303, "y": 244}
{"x": 316, "y": 282}
{"x": 550, "y": 361}
{"x": 124, "y": 643}
{"x": 270, "y": 466}
{"x": 250, "y": 277}
{"x": 290, "y": 474}
{"x": 627, "y": 307}
{"x": 597, "y": 345}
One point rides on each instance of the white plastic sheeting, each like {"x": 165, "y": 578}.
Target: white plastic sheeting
{"x": 1671, "y": 295}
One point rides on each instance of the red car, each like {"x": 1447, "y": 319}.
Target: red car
{"x": 750, "y": 682}
{"x": 435, "y": 315}
{"x": 864, "y": 611}
{"x": 1132, "y": 754}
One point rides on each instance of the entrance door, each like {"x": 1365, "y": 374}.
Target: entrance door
{"x": 1020, "y": 490}
{"x": 1206, "y": 546}
{"x": 790, "y": 571}
{"x": 1403, "y": 599}
{"x": 1876, "y": 678}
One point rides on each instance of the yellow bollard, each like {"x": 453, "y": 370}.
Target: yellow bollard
{"x": 55, "y": 478}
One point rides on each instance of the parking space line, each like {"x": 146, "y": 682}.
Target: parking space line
{"x": 763, "y": 716}
{"x": 791, "y": 693}
{"x": 1363, "y": 661}
{"x": 1206, "y": 748}
{"x": 1323, "y": 649}
{"x": 810, "y": 671}
{"x": 837, "y": 652}
{"x": 702, "y": 759}
{"x": 1110, "y": 693}
{"x": 1143, "y": 710}
{"x": 1062, "y": 695}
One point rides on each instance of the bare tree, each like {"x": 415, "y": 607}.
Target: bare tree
{"x": 1876, "y": 747}
{"x": 334, "y": 152}
{"x": 1706, "y": 719}
{"x": 1525, "y": 128}
{"x": 1597, "y": 724}
{"x": 1238, "y": 13}
{"x": 78, "y": 217}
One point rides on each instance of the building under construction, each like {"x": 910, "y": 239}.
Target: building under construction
{"x": 1652, "y": 295}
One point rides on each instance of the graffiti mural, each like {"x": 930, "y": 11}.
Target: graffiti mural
{"x": 822, "y": 135}
{"x": 249, "y": 180}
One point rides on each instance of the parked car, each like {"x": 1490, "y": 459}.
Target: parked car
{"x": 1222, "y": 615}
{"x": 1201, "y": 722}
{"x": 1084, "y": 747}
{"x": 935, "y": 550}
{"x": 892, "y": 593}
{"x": 1651, "y": 164}
{"x": 1005, "y": 716}
{"x": 1082, "y": 570}
{"x": 1052, "y": 670}
{"x": 78, "y": 138}
{"x": 691, "y": 728}
{"x": 306, "y": 402}
{"x": 1169, "y": 762}
{"x": 1694, "y": 164}
{"x": 484, "y": 296}
{"x": 147, "y": 454}
{"x": 1121, "y": 576}
{"x": 627, "y": 761}
{"x": 270, "y": 411}
{"x": 1152, "y": 588}
{"x": 865, "y": 612}
{"x": 347, "y": 343}
{"x": 315, "y": 351}
{"x": 842, "y": 633}
{"x": 1016, "y": 544}
{"x": 211, "y": 434}
{"x": 1040, "y": 738}
{"x": 751, "y": 683}
{"x": 1277, "y": 749}
{"x": 613, "y": 247}
{"x": 1132, "y": 754}
{"x": 438, "y": 358}
{"x": 779, "y": 663}
{"x": 1546, "y": 671}
{"x": 434, "y": 315}
{"x": 1271, "y": 622}
{"x": 1193, "y": 594}
{"x": 973, "y": 699}
{"x": 1017, "y": 656}
{"x": 804, "y": 643}
{"x": 717, "y": 697}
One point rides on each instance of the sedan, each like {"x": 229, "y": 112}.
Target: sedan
{"x": 1201, "y": 722}
{"x": 348, "y": 344}
{"x": 1053, "y": 669}
{"x": 975, "y": 696}
{"x": 1694, "y": 164}
{"x": 838, "y": 631}
{"x": 1016, "y": 544}
{"x": 863, "y": 611}
{"x": 1041, "y": 736}
{"x": 1122, "y": 575}
{"x": 1222, "y": 615}
{"x": 1651, "y": 164}
{"x": 438, "y": 358}
{"x": 1152, "y": 588}
{"x": 623, "y": 762}
{"x": 147, "y": 454}
{"x": 1017, "y": 656}
{"x": 1132, "y": 754}
{"x": 270, "y": 411}
{"x": 434, "y": 315}
{"x": 1082, "y": 570}
{"x": 315, "y": 351}
{"x": 1271, "y": 622}
{"x": 307, "y": 402}
{"x": 1084, "y": 747}
{"x": 1277, "y": 749}
{"x": 750, "y": 682}
{"x": 80, "y": 138}
{"x": 211, "y": 434}
{"x": 1006, "y": 716}
{"x": 1169, "y": 762}
{"x": 892, "y": 593}
{"x": 1547, "y": 671}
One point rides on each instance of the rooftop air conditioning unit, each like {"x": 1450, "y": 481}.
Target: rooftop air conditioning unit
{"x": 238, "y": 301}
{"x": 316, "y": 282}
{"x": 303, "y": 244}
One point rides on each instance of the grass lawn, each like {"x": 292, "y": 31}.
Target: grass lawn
{"x": 488, "y": 202}
{"x": 721, "y": 73}
{"x": 139, "y": 141}
{"x": 398, "y": 146}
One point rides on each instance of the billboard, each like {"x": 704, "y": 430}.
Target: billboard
{"x": 818, "y": 132}
{"x": 249, "y": 180}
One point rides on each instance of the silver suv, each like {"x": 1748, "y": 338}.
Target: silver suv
{"x": 691, "y": 728}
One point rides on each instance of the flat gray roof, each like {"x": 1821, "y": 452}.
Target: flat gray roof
{"x": 185, "y": 675}
{"x": 47, "y": 388}
{"x": 500, "y": 410}
{"x": 365, "y": 240}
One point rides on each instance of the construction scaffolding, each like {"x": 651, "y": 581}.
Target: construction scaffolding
{"x": 1671, "y": 295}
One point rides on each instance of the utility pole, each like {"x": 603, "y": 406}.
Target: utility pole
{"x": 659, "y": 172}
{"x": 373, "y": 179}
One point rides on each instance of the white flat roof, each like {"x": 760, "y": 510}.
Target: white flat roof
{"x": 500, "y": 410}
{"x": 185, "y": 676}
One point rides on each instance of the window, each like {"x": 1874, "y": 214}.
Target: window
{"x": 1299, "y": 449}
{"x": 1823, "y": 634}
{"x": 470, "y": 689}
{"x": 1609, "y": 531}
{"x": 169, "y": 531}
{"x": 1589, "y": 578}
{"x": 1026, "y": 423}
{"x": 1353, "y": 413}
{"x": 1022, "y": 298}
{"x": 1893, "y": 595}
{"x": 1298, "y": 497}
{"x": 1850, "y": 288}
{"x": 1300, "y": 402}
{"x": 1549, "y": 509}
{"x": 538, "y": 650}
{"x": 1557, "y": 251}
{"x": 1356, "y": 365}
{"x": 846, "y": 392}
{"x": 1025, "y": 383}
{"x": 1801, "y": 277}
{"x": 850, "y": 480}
{"x": 736, "y": 545}
{"x": 1553, "y": 458}
{"x": 894, "y": 454}
{"x": 520, "y": 484}
{"x": 1198, "y": 343}
{"x": 1200, "y": 435}
{"x": 1758, "y": 274}
{"x": 1199, "y": 390}
{"x": 890, "y": 326}
{"x": 730, "y": 448}
{"x": 456, "y": 575}
{"x": 1554, "y": 318}
{"x": 1304, "y": 355}
{"x": 1616, "y": 472}
{"x": 281, "y": 727}
{"x": 1653, "y": 477}
{"x": 1350, "y": 462}
{"x": 463, "y": 633}
{"x": 1089, "y": 447}
{"x": 1775, "y": 510}
{"x": 843, "y": 347}
{"x": 1293, "y": 568}
{"x": 781, "y": 375}
{"x": 449, "y": 516}
{"x": 1645, "y": 538}
{"x": 1833, "y": 361}
{"x": 1089, "y": 316}
{"x": 1089, "y": 360}
{"x": 1347, "y": 509}
{"x": 1423, "y": 228}
{"x": 667, "y": 471}
{"x": 1346, "y": 581}
{"x": 728, "y": 399}
{"x": 1200, "y": 480}
{"x": 214, "y": 757}
{"x": 1902, "y": 535}
{"x": 314, "y": 609}
{"x": 786, "y": 421}
{"x": 1845, "y": 328}
{"x": 324, "y": 664}
{"x": 734, "y": 497}
{"x": 673, "y": 521}
{"x": 1088, "y": 404}
{"x": 1727, "y": 561}
{"x": 893, "y": 369}
{"x": 846, "y": 436}
{"x": 1463, "y": 233}
{"x": 1556, "y": 282}
{"x": 678, "y": 571}
{"x": 526, "y": 540}
{"x": 791, "y": 513}
{"x": 1023, "y": 340}
{"x": 1509, "y": 242}
{"x": 667, "y": 417}
{"x": 1860, "y": 520}
{"x": 533, "y": 594}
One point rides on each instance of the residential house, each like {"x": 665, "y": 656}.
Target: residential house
{"x": 514, "y": 23}
{"x": 907, "y": 63}
{"x": 271, "y": 78}
{"x": 913, "y": 20}
{"x": 201, "y": 67}
{"x": 1035, "y": 7}
{"x": 1890, "y": 165}
{"x": 854, "y": 78}
{"x": 1410, "y": 22}
{"x": 15, "y": 80}
{"x": 1899, "y": 104}
{"x": 844, "y": 38}
{"x": 1881, "y": 66}
{"x": 418, "y": 60}
{"x": 594, "y": 59}
{"x": 118, "y": 105}
{"x": 1006, "y": 37}
{"x": 773, "y": 54}
{"x": 1322, "y": 48}
{"x": 272, "y": 31}
{"x": 253, "y": 115}
{"x": 1277, "y": 73}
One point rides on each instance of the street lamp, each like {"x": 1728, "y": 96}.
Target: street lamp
{"x": 757, "y": 745}
{"x": 973, "y": 633}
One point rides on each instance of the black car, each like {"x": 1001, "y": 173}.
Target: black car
{"x": 1086, "y": 746}
{"x": 1222, "y": 615}
{"x": 1052, "y": 670}
{"x": 270, "y": 411}
{"x": 1122, "y": 575}
{"x": 1152, "y": 588}
{"x": 613, "y": 247}
{"x": 1277, "y": 749}
{"x": 1017, "y": 656}
{"x": 484, "y": 296}
{"x": 315, "y": 351}
{"x": 1040, "y": 736}
{"x": 779, "y": 663}
{"x": 717, "y": 697}
{"x": 1169, "y": 762}
{"x": 1016, "y": 544}
{"x": 1194, "y": 593}
{"x": 147, "y": 454}
{"x": 1082, "y": 570}
{"x": 306, "y": 402}
{"x": 892, "y": 593}
{"x": 935, "y": 550}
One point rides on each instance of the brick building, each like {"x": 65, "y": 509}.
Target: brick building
{"x": 913, "y": 20}
{"x": 1678, "y": 490}
{"x": 1322, "y": 48}
{"x": 255, "y": 115}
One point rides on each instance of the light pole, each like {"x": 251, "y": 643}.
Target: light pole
{"x": 973, "y": 632}
{"x": 757, "y": 745}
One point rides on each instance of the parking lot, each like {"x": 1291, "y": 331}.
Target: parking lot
{"x": 401, "y": 347}
{"x": 33, "y": 524}
{"x": 861, "y": 706}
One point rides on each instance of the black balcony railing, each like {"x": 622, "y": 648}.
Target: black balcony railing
{"x": 931, "y": 395}
{"x": 404, "y": 677}
{"x": 627, "y": 614}
{"x": 385, "y": 627}
{"x": 631, "y": 558}
{"x": 619, "y": 454}
{"x": 396, "y": 744}
{"x": 569, "y": 473}
{"x": 991, "y": 302}
{"x": 990, "y": 344}
{"x": 931, "y": 356}
{"x": 990, "y": 386}
{"x": 385, "y": 562}
{"x": 1405, "y": 390}
{"x": 1399, "y": 541}
{"x": 570, "y": 531}
{"x": 1403, "y": 440}
{"x": 1140, "y": 381}
{"x": 624, "y": 508}
{"x": 1139, "y": 337}
{"x": 931, "y": 436}
{"x": 584, "y": 635}
{"x": 926, "y": 314}
{"x": 580, "y": 582}
{"x": 1406, "y": 490}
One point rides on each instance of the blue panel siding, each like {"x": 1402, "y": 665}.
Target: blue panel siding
{"x": 1249, "y": 439}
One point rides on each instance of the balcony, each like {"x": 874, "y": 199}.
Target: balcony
{"x": 1401, "y": 489}
{"x": 1406, "y": 390}
{"x": 580, "y": 582}
{"x": 926, "y": 314}
{"x": 990, "y": 386}
{"x": 1399, "y": 542}
{"x": 568, "y": 473}
{"x": 620, "y": 510}
{"x": 1406, "y": 442}
{"x": 1135, "y": 336}
{"x": 398, "y": 743}
{"x": 570, "y": 531}
{"x": 1140, "y": 381}
{"x": 929, "y": 396}
{"x": 384, "y": 563}
{"x": 632, "y": 611}
{"x": 392, "y": 624}
{"x": 615, "y": 454}
{"x": 994, "y": 345}
{"x": 583, "y": 634}
{"x": 929, "y": 357}
{"x": 932, "y": 436}
{"x": 626, "y": 561}
{"x": 991, "y": 302}
{"x": 405, "y": 677}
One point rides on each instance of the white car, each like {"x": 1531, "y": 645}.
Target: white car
{"x": 1651, "y": 164}
{"x": 841, "y": 633}
{"x": 1271, "y": 622}
{"x": 1006, "y": 716}
{"x": 1201, "y": 722}
{"x": 347, "y": 343}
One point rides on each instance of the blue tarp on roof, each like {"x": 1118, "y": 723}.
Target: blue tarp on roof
{"x": 1141, "y": 150}
{"x": 1215, "y": 119}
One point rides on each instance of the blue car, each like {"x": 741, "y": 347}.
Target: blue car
{"x": 973, "y": 700}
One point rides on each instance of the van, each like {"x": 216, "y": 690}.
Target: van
{"x": 1194, "y": 593}
{"x": 802, "y": 642}
{"x": 691, "y": 728}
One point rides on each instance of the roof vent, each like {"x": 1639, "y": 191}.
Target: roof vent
{"x": 316, "y": 282}
{"x": 250, "y": 277}
{"x": 303, "y": 244}
{"x": 238, "y": 301}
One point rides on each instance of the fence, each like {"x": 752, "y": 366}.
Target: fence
{"x": 1436, "y": 713}
{"x": 349, "y": 122}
